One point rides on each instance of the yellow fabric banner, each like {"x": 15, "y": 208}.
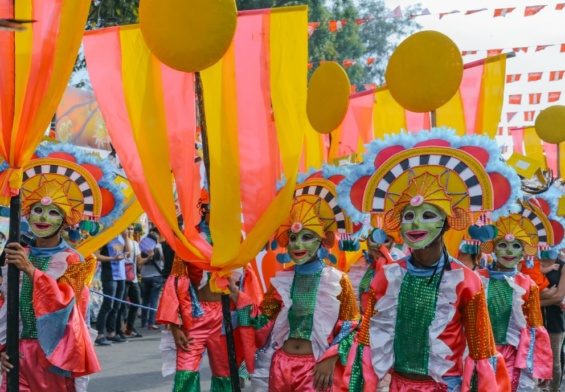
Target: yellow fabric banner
{"x": 225, "y": 194}
{"x": 533, "y": 146}
{"x": 492, "y": 96}
{"x": 452, "y": 115}
{"x": 146, "y": 113}
{"x": 388, "y": 116}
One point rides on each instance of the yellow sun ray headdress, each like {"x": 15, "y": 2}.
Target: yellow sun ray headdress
{"x": 465, "y": 177}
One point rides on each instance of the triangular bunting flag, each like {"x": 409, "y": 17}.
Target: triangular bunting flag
{"x": 542, "y": 47}
{"x": 529, "y": 115}
{"x": 533, "y": 9}
{"x": 510, "y": 116}
{"x": 513, "y": 78}
{"x": 312, "y": 27}
{"x": 466, "y": 52}
{"x": 553, "y": 96}
{"x": 395, "y": 13}
{"x": 522, "y": 49}
{"x": 515, "y": 99}
{"x": 534, "y": 76}
{"x": 493, "y": 52}
{"x": 441, "y": 15}
{"x": 556, "y": 75}
{"x": 559, "y": 6}
{"x": 535, "y": 98}
{"x": 359, "y": 22}
{"x": 336, "y": 25}
{"x": 371, "y": 60}
{"x": 348, "y": 63}
{"x": 503, "y": 11}
{"x": 470, "y": 12}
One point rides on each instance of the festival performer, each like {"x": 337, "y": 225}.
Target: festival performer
{"x": 194, "y": 314}
{"x": 422, "y": 186}
{"x": 61, "y": 188}
{"x": 513, "y": 298}
{"x": 309, "y": 309}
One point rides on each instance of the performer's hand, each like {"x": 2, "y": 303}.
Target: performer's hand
{"x": 5, "y": 361}
{"x": 234, "y": 289}
{"x": 16, "y": 255}
{"x": 181, "y": 340}
{"x": 324, "y": 374}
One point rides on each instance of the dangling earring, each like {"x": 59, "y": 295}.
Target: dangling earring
{"x": 322, "y": 253}
{"x": 283, "y": 258}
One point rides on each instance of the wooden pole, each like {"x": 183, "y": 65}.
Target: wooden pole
{"x": 13, "y": 313}
{"x": 226, "y": 310}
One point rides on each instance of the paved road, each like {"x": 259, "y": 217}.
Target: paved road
{"x": 136, "y": 366}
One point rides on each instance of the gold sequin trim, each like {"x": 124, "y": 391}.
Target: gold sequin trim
{"x": 363, "y": 336}
{"x": 532, "y": 308}
{"x": 78, "y": 274}
{"x": 271, "y": 305}
{"x": 349, "y": 310}
{"x": 179, "y": 267}
{"x": 477, "y": 328}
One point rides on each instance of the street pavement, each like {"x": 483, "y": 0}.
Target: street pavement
{"x": 136, "y": 366}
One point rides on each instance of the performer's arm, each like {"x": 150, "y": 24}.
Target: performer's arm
{"x": 251, "y": 315}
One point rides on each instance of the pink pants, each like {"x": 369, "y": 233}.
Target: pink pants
{"x": 509, "y": 354}
{"x": 207, "y": 334}
{"x": 291, "y": 373}
{"x": 401, "y": 384}
{"x": 34, "y": 373}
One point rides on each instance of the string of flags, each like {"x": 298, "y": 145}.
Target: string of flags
{"x": 533, "y": 98}
{"x": 530, "y": 10}
{"x": 554, "y": 76}
{"x": 345, "y": 63}
{"x": 524, "y": 49}
{"x": 527, "y": 115}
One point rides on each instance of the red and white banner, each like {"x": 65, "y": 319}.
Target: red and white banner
{"x": 534, "y": 76}
{"x": 529, "y": 115}
{"x": 515, "y": 99}
{"x": 533, "y": 9}
{"x": 556, "y": 75}
{"x": 553, "y": 96}
{"x": 534, "y": 98}
{"x": 503, "y": 11}
{"x": 513, "y": 78}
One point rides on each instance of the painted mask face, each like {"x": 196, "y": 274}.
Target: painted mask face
{"x": 509, "y": 253}
{"x": 374, "y": 248}
{"x": 303, "y": 246}
{"x": 421, "y": 225}
{"x": 45, "y": 220}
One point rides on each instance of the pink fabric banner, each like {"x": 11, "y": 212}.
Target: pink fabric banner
{"x": 518, "y": 139}
{"x": 551, "y": 156}
{"x": 470, "y": 91}
{"x": 258, "y": 148}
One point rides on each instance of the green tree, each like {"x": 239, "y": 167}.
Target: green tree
{"x": 106, "y": 13}
{"x": 382, "y": 34}
{"x": 377, "y": 38}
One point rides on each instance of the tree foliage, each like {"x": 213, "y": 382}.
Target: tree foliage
{"x": 375, "y": 39}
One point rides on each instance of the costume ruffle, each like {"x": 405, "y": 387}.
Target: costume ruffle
{"x": 383, "y": 324}
{"x": 438, "y": 364}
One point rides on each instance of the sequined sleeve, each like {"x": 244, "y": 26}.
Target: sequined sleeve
{"x": 477, "y": 328}
{"x": 532, "y": 308}
{"x": 348, "y": 321}
{"x": 249, "y": 315}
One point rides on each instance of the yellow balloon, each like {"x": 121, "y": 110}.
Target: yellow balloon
{"x": 328, "y": 97}
{"x": 550, "y": 124}
{"x": 425, "y": 71}
{"x": 188, "y": 35}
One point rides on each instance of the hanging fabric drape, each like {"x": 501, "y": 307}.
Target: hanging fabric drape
{"x": 255, "y": 101}
{"x": 35, "y": 66}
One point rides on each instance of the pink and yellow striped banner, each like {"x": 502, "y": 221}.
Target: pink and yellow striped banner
{"x": 475, "y": 109}
{"x": 255, "y": 100}
{"x": 35, "y": 66}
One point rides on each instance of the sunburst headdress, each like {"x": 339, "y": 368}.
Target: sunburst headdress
{"x": 463, "y": 176}
{"x": 80, "y": 184}
{"x": 530, "y": 226}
